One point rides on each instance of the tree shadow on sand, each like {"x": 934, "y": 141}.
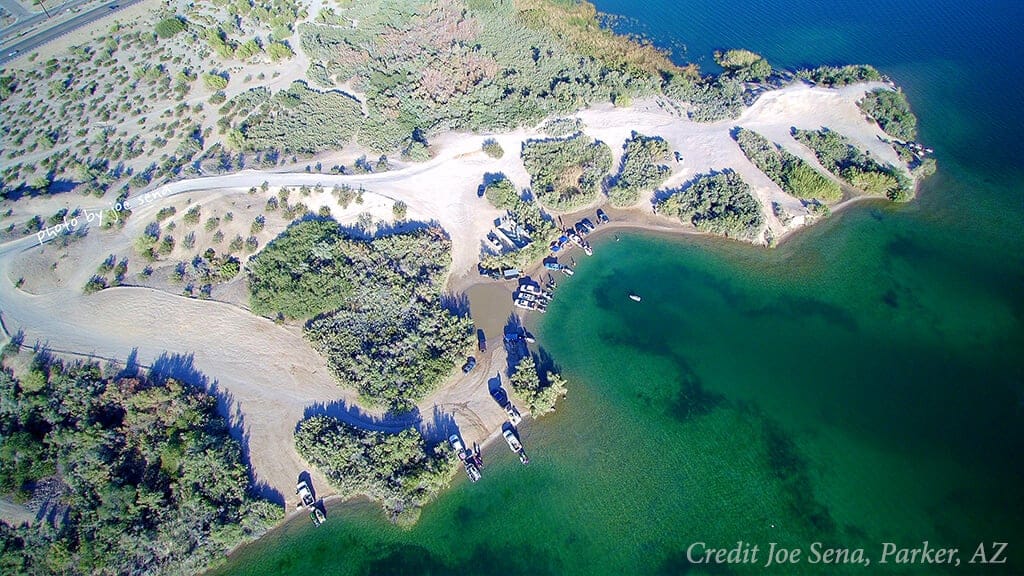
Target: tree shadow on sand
{"x": 391, "y": 422}
{"x": 441, "y": 426}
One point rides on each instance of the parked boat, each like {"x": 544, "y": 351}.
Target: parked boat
{"x": 530, "y": 288}
{"x": 457, "y": 445}
{"x": 587, "y": 249}
{"x": 513, "y": 443}
{"x": 305, "y": 494}
{"x": 601, "y": 216}
{"x": 513, "y": 414}
{"x": 567, "y": 271}
{"x": 634, "y": 297}
{"x": 317, "y": 516}
{"x": 472, "y": 471}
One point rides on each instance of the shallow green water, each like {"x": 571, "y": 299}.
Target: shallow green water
{"x": 863, "y": 383}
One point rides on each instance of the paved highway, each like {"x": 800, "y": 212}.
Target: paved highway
{"x": 36, "y": 40}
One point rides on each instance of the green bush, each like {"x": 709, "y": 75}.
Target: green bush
{"x": 788, "y": 171}
{"x": 708, "y": 100}
{"x": 301, "y": 119}
{"x": 640, "y": 169}
{"x": 150, "y": 481}
{"x": 744, "y": 65}
{"x": 841, "y": 75}
{"x": 398, "y": 470}
{"x": 892, "y": 112}
{"x": 842, "y": 158}
{"x": 169, "y": 27}
{"x": 720, "y": 203}
{"x": 540, "y": 397}
{"x": 566, "y": 173}
{"x": 214, "y": 81}
{"x": 376, "y": 306}
{"x": 279, "y": 51}
{"x": 491, "y": 147}
{"x": 562, "y": 127}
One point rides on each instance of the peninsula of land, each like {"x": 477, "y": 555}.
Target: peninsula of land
{"x": 309, "y": 234}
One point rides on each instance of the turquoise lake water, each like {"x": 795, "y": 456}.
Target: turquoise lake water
{"x": 863, "y": 383}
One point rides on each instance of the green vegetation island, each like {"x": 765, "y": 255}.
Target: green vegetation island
{"x": 314, "y": 208}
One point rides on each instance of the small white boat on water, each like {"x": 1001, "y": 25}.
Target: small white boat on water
{"x": 634, "y": 297}
{"x": 513, "y": 442}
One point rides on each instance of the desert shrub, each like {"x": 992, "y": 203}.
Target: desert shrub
{"x": 192, "y": 215}
{"x": 398, "y": 470}
{"x": 744, "y": 65}
{"x": 788, "y": 171}
{"x": 566, "y": 173}
{"x": 708, "y": 100}
{"x": 247, "y": 49}
{"x": 168, "y": 27}
{"x": 279, "y": 51}
{"x": 491, "y": 147}
{"x": 841, "y": 75}
{"x": 860, "y": 170}
{"x": 892, "y": 112}
{"x": 301, "y": 119}
{"x": 215, "y": 81}
{"x": 124, "y": 453}
{"x": 165, "y": 213}
{"x": 719, "y": 203}
{"x": 399, "y": 209}
{"x": 640, "y": 169}
{"x": 562, "y": 127}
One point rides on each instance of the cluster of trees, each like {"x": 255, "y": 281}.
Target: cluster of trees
{"x": 493, "y": 66}
{"x": 137, "y": 476}
{"x": 566, "y": 173}
{"x": 860, "y": 170}
{"x": 640, "y": 169}
{"x": 376, "y": 307}
{"x": 707, "y": 100}
{"x": 790, "y": 172}
{"x": 539, "y": 395}
{"x": 718, "y": 203}
{"x": 398, "y": 470}
{"x": 529, "y": 216}
{"x": 841, "y": 75}
{"x": 299, "y": 119}
{"x": 892, "y": 112}
{"x": 744, "y": 65}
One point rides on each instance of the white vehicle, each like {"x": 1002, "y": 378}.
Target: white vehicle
{"x": 305, "y": 494}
